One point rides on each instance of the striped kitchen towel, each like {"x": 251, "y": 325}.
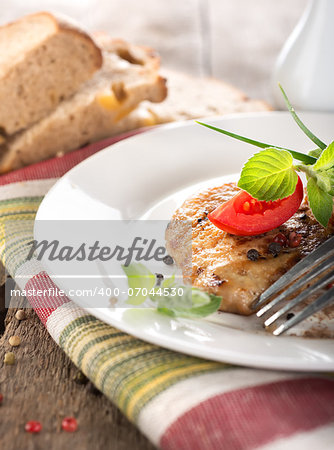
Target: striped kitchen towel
{"x": 178, "y": 401}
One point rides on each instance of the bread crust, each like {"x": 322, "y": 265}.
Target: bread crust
{"x": 67, "y": 26}
{"x": 30, "y": 86}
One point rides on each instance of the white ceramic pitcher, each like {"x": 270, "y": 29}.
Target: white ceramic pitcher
{"x": 305, "y": 66}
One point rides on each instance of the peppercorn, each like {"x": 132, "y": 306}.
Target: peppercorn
{"x": 253, "y": 254}
{"x": 281, "y": 239}
{"x": 275, "y": 249}
{"x": 20, "y": 315}
{"x": 168, "y": 260}
{"x": 294, "y": 239}
{"x": 14, "y": 341}
{"x": 69, "y": 424}
{"x": 33, "y": 426}
{"x": 9, "y": 358}
{"x": 290, "y": 316}
{"x": 159, "y": 278}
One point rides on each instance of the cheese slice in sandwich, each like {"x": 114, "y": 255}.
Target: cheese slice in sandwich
{"x": 44, "y": 59}
{"x": 100, "y": 108}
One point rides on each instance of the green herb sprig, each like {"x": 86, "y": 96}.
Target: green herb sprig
{"x": 271, "y": 174}
{"x": 171, "y": 299}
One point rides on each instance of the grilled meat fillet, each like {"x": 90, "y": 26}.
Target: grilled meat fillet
{"x": 217, "y": 262}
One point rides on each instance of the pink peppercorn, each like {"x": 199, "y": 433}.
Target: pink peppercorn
{"x": 33, "y": 426}
{"x": 281, "y": 239}
{"x": 294, "y": 239}
{"x": 69, "y": 424}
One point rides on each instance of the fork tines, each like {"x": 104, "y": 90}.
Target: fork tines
{"x": 315, "y": 267}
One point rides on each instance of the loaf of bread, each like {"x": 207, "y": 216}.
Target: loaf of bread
{"x": 100, "y": 108}
{"x": 44, "y": 59}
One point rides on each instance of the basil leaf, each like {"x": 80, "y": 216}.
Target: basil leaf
{"x": 326, "y": 159}
{"x": 139, "y": 278}
{"x": 325, "y": 182}
{"x": 323, "y": 178}
{"x": 172, "y": 299}
{"x": 269, "y": 175}
{"x": 169, "y": 282}
{"x": 189, "y": 298}
{"x": 321, "y": 203}
{"x": 211, "y": 306}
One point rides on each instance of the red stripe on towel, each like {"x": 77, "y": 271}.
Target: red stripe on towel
{"x": 44, "y": 296}
{"x": 248, "y": 418}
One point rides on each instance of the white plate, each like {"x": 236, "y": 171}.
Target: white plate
{"x": 148, "y": 176}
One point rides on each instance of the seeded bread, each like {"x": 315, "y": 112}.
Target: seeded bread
{"x": 43, "y": 60}
{"x": 100, "y": 108}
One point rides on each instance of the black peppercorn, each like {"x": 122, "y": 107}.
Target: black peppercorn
{"x": 275, "y": 249}
{"x": 159, "y": 278}
{"x": 168, "y": 260}
{"x": 290, "y": 316}
{"x": 253, "y": 254}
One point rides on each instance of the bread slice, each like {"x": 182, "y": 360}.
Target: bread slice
{"x": 101, "y": 108}
{"x": 43, "y": 60}
{"x": 108, "y": 104}
{"x": 192, "y": 98}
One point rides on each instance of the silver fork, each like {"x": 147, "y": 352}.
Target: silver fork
{"x": 316, "y": 266}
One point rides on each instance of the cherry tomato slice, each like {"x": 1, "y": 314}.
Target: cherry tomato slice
{"x": 245, "y": 216}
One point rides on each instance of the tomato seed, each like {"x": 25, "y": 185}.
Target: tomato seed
{"x": 33, "y": 426}
{"x": 69, "y": 424}
{"x": 246, "y": 206}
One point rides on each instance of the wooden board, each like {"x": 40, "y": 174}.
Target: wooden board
{"x": 40, "y": 386}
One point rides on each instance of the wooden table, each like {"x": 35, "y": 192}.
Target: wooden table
{"x": 234, "y": 40}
